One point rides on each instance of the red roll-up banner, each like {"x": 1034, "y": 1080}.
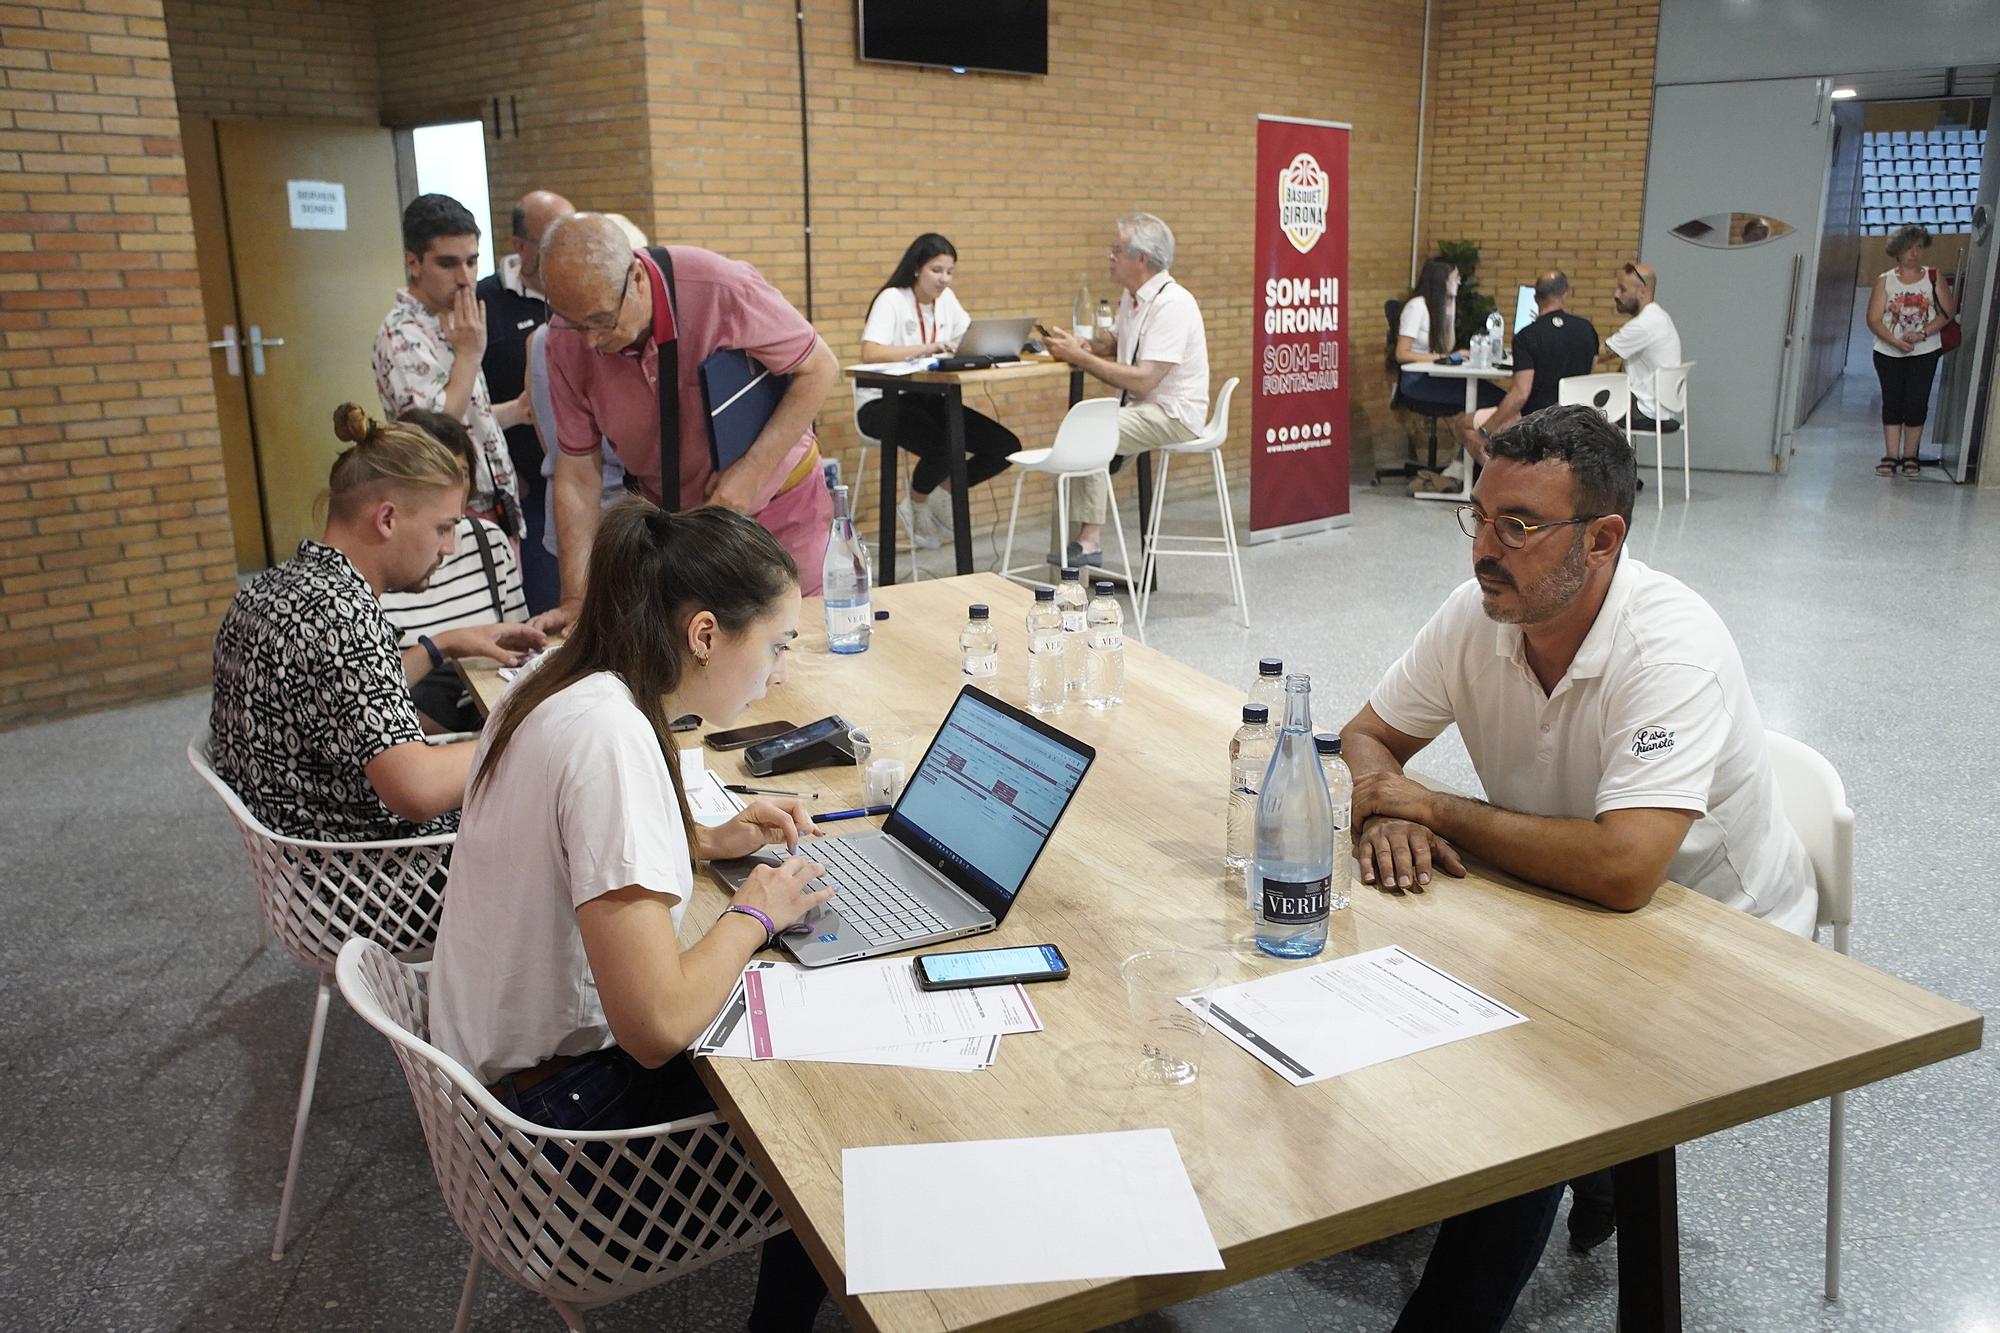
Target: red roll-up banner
{"x": 1298, "y": 366}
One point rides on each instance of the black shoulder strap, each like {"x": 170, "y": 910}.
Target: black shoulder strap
{"x": 669, "y": 391}
{"x": 492, "y": 573}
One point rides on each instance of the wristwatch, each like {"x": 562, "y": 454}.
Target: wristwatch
{"x": 437, "y": 658}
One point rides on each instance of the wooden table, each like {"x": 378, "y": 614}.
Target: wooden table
{"x": 1647, "y": 1029}
{"x": 950, "y": 385}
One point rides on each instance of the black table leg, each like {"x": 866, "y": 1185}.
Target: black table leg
{"x": 1146, "y": 512}
{"x": 885, "y": 567}
{"x": 961, "y": 503}
{"x": 1649, "y": 1244}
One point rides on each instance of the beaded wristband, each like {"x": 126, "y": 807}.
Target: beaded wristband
{"x": 770, "y": 930}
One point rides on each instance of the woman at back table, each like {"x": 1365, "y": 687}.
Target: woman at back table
{"x": 915, "y": 314}
{"x": 559, "y": 981}
{"x": 1425, "y": 332}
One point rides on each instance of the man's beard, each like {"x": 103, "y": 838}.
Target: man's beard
{"x": 1625, "y": 307}
{"x": 422, "y": 583}
{"x": 1547, "y": 597}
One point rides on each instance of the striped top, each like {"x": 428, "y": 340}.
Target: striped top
{"x": 459, "y": 593}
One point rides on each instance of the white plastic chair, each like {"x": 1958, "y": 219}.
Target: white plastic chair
{"x": 1085, "y": 444}
{"x": 1609, "y": 394}
{"x": 1816, "y": 806}
{"x": 1670, "y": 398}
{"x": 315, "y": 896}
{"x": 1213, "y": 436}
{"x": 538, "y": 1204}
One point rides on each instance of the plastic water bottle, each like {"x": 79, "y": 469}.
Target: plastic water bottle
{"x": 1104, "y": 666}
{"x": 1496, "y": 332}
{"x": 850, "y": 617}
{"x": 1081, "y": 311}
{"x": 978, "y": 645}
{"x": 1105, "y": 325}
{"x": 1070, "y": 600}
{"x": 1339, "y": 787}
{"x": 1045, "y": 653}
{"x": 1249, "y": 755}
{"x": 1291, "y": 875}
{"x": 1269, "y": 688}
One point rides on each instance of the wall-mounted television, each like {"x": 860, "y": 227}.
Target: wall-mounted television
{"x": 1000, "y": 36}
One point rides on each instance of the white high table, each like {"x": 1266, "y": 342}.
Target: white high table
{"x": 1471, "y": 374}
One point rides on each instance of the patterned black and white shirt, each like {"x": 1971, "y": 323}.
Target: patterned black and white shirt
{"x": 309, "y": 687}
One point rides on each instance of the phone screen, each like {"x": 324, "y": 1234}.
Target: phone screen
{"x": 981, "y": 964}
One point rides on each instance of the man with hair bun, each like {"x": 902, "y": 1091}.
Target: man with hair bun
{"x": 428, "y": 350}
{"x": 1609, "y": 718}
{"x": 312, "y": 721}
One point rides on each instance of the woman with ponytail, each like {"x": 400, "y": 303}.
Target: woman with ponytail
{"x": 312, "y": 720}
{"x": 559, "y": 980}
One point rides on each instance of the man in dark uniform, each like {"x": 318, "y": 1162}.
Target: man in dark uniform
{"x": 1557, "y": 345}
{"x": 515, "y": 308}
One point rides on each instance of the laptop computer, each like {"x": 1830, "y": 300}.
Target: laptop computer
{"x": 997, "y": 338}
{"x": 952, "y": 855}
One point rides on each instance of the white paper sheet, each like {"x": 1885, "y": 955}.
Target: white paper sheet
{"x": 805, "y": 1013}
{"x": 1054, "y": 1209}
{"x": 1349, "y": 1013}
{"x": 728, "y": 1037}
{"x": 910, "y": 367}
{"x": 707, "y": 799}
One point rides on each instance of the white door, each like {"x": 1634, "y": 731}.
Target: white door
{"x": 1739, "y": 150}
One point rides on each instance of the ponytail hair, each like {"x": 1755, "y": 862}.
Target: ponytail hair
{"x": 385, "y": 455}
{"x": 650, "y": 573}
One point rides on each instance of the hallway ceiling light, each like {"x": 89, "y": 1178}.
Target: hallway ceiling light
{"x": 1841, "y": 94}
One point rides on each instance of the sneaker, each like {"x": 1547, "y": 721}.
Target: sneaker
{"x": 938, "y": 505}
{"x": 1078, "y": 558}
{"x": 917, "y": 524}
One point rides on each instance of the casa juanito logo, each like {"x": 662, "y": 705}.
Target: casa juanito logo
{"x": 1652, "y": 742}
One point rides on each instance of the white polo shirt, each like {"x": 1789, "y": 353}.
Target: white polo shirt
{"x": 1654, "y": 712}
{"x": 1648, "y": 342}
{"x": 580, "y": 805}
{"x": 1164, "y": 324}
{"x": 895, "y": 320}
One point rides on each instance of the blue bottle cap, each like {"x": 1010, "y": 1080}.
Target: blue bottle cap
{"x": 1326, "y": 743}
{"x": 1258, "y": 714}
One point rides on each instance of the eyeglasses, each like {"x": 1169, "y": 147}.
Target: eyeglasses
{"x": 1513, "y": 533}
{"x": 607, "y": 322}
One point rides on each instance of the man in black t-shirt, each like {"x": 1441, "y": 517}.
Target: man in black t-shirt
{"x": 512, "y": 295}
{"x": 1550, "y": 350}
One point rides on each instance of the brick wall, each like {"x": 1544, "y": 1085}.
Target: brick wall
{"x": 1540, "y": 115}
{"x": 300, "y": 59}
{"x": 115, "y": 559}
{"x": 1149, "y": 104}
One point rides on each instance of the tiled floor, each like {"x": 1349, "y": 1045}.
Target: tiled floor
{"x": 152, "y": 1055}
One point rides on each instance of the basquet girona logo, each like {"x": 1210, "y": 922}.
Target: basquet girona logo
{"x": 1302, "y": 194}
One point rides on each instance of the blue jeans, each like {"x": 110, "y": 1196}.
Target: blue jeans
{"x": 610, "y": 1090}
{"x": 541, "y": 579}
{"x": 1479, "y": 1264}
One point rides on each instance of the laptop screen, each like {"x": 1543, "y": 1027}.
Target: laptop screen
{"x": 986, "y": 796}
{"x": 1524, "y": 308}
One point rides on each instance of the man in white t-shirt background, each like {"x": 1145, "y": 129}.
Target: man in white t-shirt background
{"x": 1157, "y": 359}
{"x": 1648, "y": 342}
{"x": 1605, "y": 709}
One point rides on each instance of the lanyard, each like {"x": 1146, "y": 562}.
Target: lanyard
{"x": 1138, "y": 338}
{"x": 924, "y": 335}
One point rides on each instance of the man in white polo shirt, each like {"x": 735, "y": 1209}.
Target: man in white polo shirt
{"x": 1648, "y": 342}
{"x": 1157, "y": 359}
{"x": 1605, "y": 708}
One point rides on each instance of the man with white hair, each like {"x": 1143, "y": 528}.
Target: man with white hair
{"x": 1157, "y": 359}
{"x": 629, "y": 331}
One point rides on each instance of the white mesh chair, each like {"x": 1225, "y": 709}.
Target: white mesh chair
{"x": 579, "y": 1217}
{"x": 1816, "y": 806}
{"x": 315, "y": 896}
{"x": 1085, "y": 444}
{"x": 1213, "y": 436}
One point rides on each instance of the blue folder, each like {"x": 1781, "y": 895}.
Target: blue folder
{"x": 739, "y": 395}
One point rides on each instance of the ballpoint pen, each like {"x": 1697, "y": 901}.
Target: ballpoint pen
{"x": 865, "y": 812}
{"x": 759, "y": 791}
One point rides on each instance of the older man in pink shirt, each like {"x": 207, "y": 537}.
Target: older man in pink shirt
{"x": 612, "y": 317}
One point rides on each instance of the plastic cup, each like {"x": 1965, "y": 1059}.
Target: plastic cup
{"x": 1170, "y": 1032}
{"x": 882, "y": 753}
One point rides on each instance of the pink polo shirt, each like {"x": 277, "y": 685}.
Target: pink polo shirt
{"x": 720, "y": 303}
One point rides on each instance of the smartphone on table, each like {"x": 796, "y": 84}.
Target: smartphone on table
{"x": 990, "y": 967}
{"x": 742, "y": 736}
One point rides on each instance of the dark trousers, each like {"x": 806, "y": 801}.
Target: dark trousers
{"x": 920, "y": 429}
{"x": 541, "y": 582}
{"x": 1479, "y": 1264}
{"x": 611, "y": 1090}
{"x": 1906, "y": 387}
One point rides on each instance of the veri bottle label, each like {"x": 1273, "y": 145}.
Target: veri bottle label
{"x": 849, "y": 619}
{"x": 983, "y": 664}
{"x": 1297, "y": 902}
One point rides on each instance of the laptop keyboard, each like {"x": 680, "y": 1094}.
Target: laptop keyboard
{"x": 880, "y": 910}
